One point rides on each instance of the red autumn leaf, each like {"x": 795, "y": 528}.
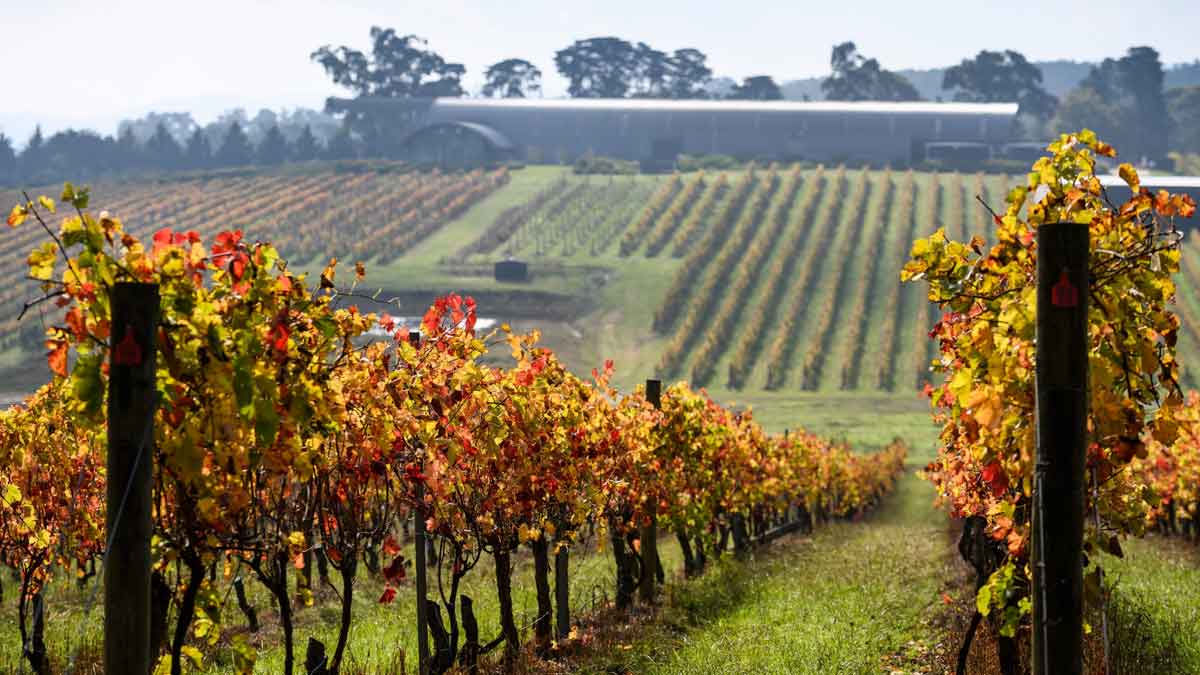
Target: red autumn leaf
{"x": 414, "y": 473}
{"x": 390, "y": 547}
{"x": 76, "y": 322}
{"x": 389, "y": 594}
{"x": 237, "y": 266}
{"x": 226, "y": 242}
{"x": 57, "y": 357}
{"x": 993, "y": 474}
{"x": 395, "y": 571}
{"x": 278, "y": 336}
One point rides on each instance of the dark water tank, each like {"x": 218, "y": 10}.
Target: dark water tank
{"x": 512, "y": 270}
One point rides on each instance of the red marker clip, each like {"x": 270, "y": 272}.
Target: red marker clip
{"x": 128, "y": 351}
{"x": 1064, "y": 293}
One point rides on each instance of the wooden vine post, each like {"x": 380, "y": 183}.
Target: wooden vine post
{"x": 419, "y": 566}
{"x": 132, "y": 400}
{"x": 649, "y": 534}
{"x": 1062, "y": 399}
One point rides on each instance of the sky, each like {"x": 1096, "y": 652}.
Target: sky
{"x": 71, "y": 63}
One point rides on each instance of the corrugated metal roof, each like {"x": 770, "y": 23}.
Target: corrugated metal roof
{"x": 631, "y": 104}
{"x": 1168, "y": 182}
{"x": 666, "y": 105}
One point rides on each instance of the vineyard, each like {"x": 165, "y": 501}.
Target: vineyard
{"x": 279, "y": 440}
{"x": 768, "y": 289}
{"x": 376, "y": 215}
{"x": 755, "y": 277}
{"x": 330, "y": 489}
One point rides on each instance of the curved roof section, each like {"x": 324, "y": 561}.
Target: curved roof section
{"x": 494, "y": 138}
{"x": 1166, "y": 182}
{"x": 701, "y": 105}
{"x": 671, "y": 105}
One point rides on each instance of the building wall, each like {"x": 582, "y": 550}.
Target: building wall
{"x": 874, "y": 132}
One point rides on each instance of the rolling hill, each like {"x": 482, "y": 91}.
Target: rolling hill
{"x": 757, "y": 284}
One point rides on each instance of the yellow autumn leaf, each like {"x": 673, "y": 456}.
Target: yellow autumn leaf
{"x": 17, "y": 216}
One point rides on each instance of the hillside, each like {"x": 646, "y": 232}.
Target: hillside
{"x": 760, "y": 285}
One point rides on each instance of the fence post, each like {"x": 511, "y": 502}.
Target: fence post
{"x": 419, "y": 566}
{"x": 132, "y": 400}
{"x": 649, "y": 535}
{"x": 1062, "y": 398}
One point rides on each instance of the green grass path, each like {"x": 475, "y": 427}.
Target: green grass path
{"x": 836, "y": 602}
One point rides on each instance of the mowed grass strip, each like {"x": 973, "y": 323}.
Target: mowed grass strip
{"x": 839, "y": 601}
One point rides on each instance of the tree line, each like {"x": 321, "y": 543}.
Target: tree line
{"x": 1122, "y": 98}
{"x": 88, "y": 154}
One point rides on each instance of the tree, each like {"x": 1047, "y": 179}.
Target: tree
{"x": 652, "y": 72}
{"x": 512, "y": 78}
{"x": 305, "y": 148}
{"x": 128, "y": 152}
{"x": 1001, "y": 77}
{"x": 180, "y": 125}
{"x": 162, "y": 150}
{"x": 757, "y": 88}
{"x": 198, "y": 154}
{"x": 1183, "y": 107}
{"x": 690, "y": 74}
{"x": 341, "y": 146}
{"x": 273, "y": 150}
{"x": 397, "y": 67}
{"x": 601, "y": 67}
{"x": 77, "y": 153}
{"x": 33, "y": 157}
{"x": 8, "y": 161}
{"x": 1131, "y": 89}
{"x": 235, "y": 148}
{"x": 857, "y": 78}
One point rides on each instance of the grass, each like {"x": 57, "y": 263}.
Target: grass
{"x": 380, "y": 633}
{"x": 1155, "y": 614}
{"x": 839, "y": 601}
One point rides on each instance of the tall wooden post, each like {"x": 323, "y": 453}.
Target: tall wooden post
{"x": 649, "y": 535}
{"x": 1062, "y": 400}
{"x": 419, "y": 566}
{"x": 132, "y": 400}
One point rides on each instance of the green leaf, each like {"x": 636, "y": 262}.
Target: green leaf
{"x": 12, "y": 494}
{"x": 193, "y": 655}
{"x": 983, "y": 600}
{"x": 86, "y": 384}
{"x": 243, "y": 386}
{"x": 266, "y": 421}
{"x": 41, "y": 261}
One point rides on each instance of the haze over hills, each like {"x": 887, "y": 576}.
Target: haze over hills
{"x": 1058, "y": 77}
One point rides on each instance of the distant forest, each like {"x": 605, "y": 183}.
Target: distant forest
{"x": 1134, "y": 102}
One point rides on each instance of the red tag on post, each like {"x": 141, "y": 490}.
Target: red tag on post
{"x": 128, "y": 351}
{"x": 1064, "y": 293}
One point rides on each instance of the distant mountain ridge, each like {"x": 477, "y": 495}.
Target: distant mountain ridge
{"x": 1058, "y": 77}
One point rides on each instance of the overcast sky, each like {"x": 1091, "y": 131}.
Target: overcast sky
{"x": 90, "y": 64}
